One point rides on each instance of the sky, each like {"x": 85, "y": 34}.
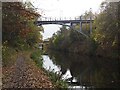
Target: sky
{"x": 63, "y": 8}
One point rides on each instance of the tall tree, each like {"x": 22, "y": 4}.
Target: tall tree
{"x": 106, "y": 32}
{"x": 18, "y": 25}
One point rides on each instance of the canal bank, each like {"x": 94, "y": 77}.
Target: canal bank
{"x": 23, "y": 73}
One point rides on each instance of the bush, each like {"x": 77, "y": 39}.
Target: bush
{"x": 56, "y": 79}
{"x": 36, "y": 56}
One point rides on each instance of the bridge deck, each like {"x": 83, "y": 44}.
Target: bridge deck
{"x": 62, "y": 21}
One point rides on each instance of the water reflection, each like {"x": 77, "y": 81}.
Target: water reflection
{"x": 86, "y": 71}
{"x": 67, "y": 75}
{"x": 48, "y": 64}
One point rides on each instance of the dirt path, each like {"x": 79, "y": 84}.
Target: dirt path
{"x": 25, "y": 74}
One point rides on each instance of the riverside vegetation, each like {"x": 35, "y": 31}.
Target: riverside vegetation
{"x": 104, "y": 40}
{"x": 22, "y": 61}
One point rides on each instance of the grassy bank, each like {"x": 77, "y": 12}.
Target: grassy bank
{"x": 55, "y": 78}
{"x": 10, "y": 55}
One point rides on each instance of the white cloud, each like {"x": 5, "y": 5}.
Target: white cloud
{"x": 62, "y": 8}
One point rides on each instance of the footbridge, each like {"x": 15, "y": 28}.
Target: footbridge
{"x": 70, "y": 22}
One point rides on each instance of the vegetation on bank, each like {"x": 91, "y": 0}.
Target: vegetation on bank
{"x": 18, "y": 30}
{"x": 104, "y": 40}
{"x": 54, "y": 77}
{"x": 21, "y": 35}
{"x": 36, "y": 56}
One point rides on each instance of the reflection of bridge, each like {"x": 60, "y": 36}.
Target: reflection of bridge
{"x": 69, "y": 21}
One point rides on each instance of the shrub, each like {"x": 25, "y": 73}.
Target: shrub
{"x": 36, "y": 56}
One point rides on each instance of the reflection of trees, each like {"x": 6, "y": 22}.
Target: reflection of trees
{"x": 60, "y": 59}
{"x": 98, "y": 71}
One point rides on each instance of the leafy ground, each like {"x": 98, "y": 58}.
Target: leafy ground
{"x": 25, "y": 74}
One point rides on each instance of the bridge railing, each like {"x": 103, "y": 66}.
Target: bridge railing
{"x": 64, "y": 18}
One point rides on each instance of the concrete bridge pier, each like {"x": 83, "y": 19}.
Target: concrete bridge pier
{"x": 90, "y": 25}
{"x": 80, "y": 26}
{"x": 71, "y": 25}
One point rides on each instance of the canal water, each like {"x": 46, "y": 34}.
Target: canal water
{"x": 81, "y": 71}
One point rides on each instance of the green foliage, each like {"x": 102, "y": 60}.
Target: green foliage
{"x": 56, "y": 79}
{"x": 69, "y": 40}
{"x": 75, "y": 36}
{"x": 18, "y": 25}
{"x": 93, "y": 46}
{"x": 61, "y": 40}
{"x": 106, "y": 32}
{"x": 36, "y": 56}
{"x": 7, "y": 56}
{"x": 103, "y": 41}
{"x": 19, "y": 31}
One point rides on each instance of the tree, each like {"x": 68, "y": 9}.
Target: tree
{"x": 18, "y": 25}
{"x": 106, "y": 32}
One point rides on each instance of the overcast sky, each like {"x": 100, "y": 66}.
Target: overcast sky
{"x": 63, "y": 8}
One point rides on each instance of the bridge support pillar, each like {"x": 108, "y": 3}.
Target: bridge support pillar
{"x": 90, "y": 25}
{"x": 80, "y": 26}
{"x": 71, "y": 25}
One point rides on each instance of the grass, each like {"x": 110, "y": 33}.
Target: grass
{"x": 56, "y": 80}
{"x": 9, "y": 56}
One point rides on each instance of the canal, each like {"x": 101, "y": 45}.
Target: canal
{"x": 82, "y": 71}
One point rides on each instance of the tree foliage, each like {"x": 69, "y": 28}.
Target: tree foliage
{"x": 106, "y": 32}
{"x": 18, "y": 25}
{"x": 103, "y": 41}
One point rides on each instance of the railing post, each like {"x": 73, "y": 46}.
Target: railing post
{"x": 90, "y": 25}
